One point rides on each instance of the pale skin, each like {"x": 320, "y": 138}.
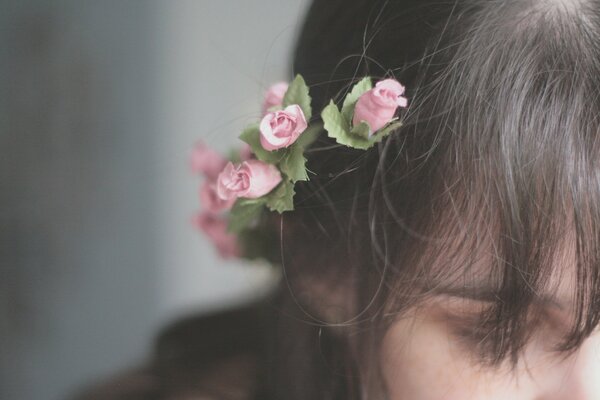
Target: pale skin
{"x": 423, "y": 358}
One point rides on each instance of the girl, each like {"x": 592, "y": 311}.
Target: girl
{"x": 457, "y": 259}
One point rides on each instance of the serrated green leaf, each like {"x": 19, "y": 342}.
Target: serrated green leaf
{"x": 361, "y": 130}
{"x": 386, "y": 130}
{"x": 257, "y": 243}
{"x": 254, "y": 243}
{"x": 274, "y": 108}
{"x": 298, "y": 93}
{"x": 293, "y": 164}
{"x": 333, "y": 122}
{"x": 243, "y": 213}
{"x": 337, "y": 128}
{"x": 359, "y": 89}
{"x": 282, "y": 198}
{"x": 234, "y": 156}
{"x": 308, "y": 137}
{"x": 251, "y": 135}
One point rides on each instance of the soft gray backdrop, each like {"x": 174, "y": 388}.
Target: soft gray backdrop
{"x": 100, "y": 104}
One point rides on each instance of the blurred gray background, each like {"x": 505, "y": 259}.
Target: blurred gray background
{"x": 101, "y": 102}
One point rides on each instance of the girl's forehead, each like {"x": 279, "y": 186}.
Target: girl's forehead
{"x": 480, "y": 276}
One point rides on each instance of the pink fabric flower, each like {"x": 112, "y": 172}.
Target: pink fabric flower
{"x": 250, "y": 179}
{"x": 206, "y": 161}
{"x": 274, "y": 96}
{"x": 211, "y": 201}
{"x": 281, "y": 128}
{"x": 215, "y": 228}
{"x": 378, "y": 105}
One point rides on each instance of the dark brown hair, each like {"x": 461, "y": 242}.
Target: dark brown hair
{"x": 497, "y": 165}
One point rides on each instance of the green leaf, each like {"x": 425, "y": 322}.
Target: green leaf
{"x": 333, "y": 122}
{"x": 389, "y": 128}
{"x": 251, "y": 135}
{"x": 257, "y": 243}
{"x": 297, "y": 93}
{"x": 337, "y": 128}
{"x": 358, "y": 90}
{"x": 274, "y": 108}
{"x": 234, "y": 156}
{"x": 385, "y": 131}
{"x": 293, "y": 164}
{"x": 361, "y": 130}
{"x": 243, "y": 213}
{"x": 282, "y": 198}
{"x": 308, "y": 137}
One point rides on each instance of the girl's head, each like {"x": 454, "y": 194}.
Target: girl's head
{"x": 460, "y": 258}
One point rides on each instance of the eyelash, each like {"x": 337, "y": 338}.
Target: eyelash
{"x": 471, "y": 332}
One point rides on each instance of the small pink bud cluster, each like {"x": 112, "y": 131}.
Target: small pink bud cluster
{"x": 225, "y": 182}
{"x": 280, "y": 128}
{"x": 207, "y": 163}
{"x": 377, "y": 106}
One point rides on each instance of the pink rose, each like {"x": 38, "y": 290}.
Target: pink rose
{"x": 250, "y": 179}
{"x": 206, "y": 161}
{"x": 215, "y": 228}
{"x": 378, "y": 105}
{"x": 274, "y": 96}
{"x": 211, "y": 201}
{"x": 245, "y": 152}
{"x": 281, "y": 128}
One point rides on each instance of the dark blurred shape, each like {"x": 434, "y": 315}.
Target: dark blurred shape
{"x": 220, "y": 356}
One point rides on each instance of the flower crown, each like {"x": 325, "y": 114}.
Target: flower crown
{"x": 261, "y": 176}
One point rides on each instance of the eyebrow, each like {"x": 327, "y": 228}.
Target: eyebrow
{"x": 489, "y": 295}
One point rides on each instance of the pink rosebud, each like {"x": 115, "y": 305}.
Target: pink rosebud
{"x": 245, "y": 152}
{"x": 378, "y": 105}
{"x": 211, "y": 201}
{"x": 215, "y": 228}
{"x": 206, "y": 161}
{"x": 281, "y": 128}
{"x": 274, "y": 96}
{"x": 250, "y": 179}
